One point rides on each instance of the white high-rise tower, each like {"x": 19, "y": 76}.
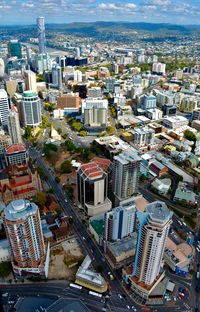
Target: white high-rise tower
{"x": 41, "y": 34}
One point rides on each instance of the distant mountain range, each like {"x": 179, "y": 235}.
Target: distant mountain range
{"x": 110, "y": 30}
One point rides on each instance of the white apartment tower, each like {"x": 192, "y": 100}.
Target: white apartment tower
{"x": 4, "y": 107}
{"x": 120, "y": 221}
{"x": 126, "y": 168}
{"x": 153, "y": 228}
{"x": 24, "y": 232}
{"x": 14, "y": 129}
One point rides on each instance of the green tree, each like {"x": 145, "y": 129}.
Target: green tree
{"x": 28, "y": 133}
{"x": 189, "y": 135}
{"x": 45, "y": 121}
{"x": 41, "y": 199}
{"x": 59, "y": 130}
{"x": 71, "y": 147}
{"x": 5, "y": 269}
{"x": 57, "y": 179}
{"x": 50, "y": 147}
{"x": 83, "y": 133}
{"x": 66, "y": 167}
{"x": 71, "y": 220}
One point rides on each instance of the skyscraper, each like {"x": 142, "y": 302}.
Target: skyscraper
{"x": 30, "y": 80}
{"x": 41, "y": 34}
{"x": 15, "y": 49}
{"x": 31, "y": 108}
{"x": 4, "y": 107}
{"x": 14, "y": 129}
{"x": 2, "y": 67}
{"x": 92, "y": 187}
{"x": 153, "y": 232}
{"x": 57, "y": 76}
{"x": 24, "y": 232}
{"x": 126, "y": 167}
{"x": 120, "y": 221}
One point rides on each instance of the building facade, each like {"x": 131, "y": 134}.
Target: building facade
{"x": 15, "y": 154}
{"x": 23, "y": 228}
{"x": 14, "y": 129}
{"x": 120, "y": 222}
{"x": 92, "y": 187}
{"x": 31, "y": 108}
{"x": 4, "y": 107}
{"x": 41, "y": 34}
{"x": 126, "y": 167}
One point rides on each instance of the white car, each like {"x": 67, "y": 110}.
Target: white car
{"x": 128, "y": 307}
{"x": 120, "y": 296}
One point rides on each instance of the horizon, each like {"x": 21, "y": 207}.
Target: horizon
{"x": 25, "y": 12}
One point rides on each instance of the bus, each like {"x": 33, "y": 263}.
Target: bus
{"x": 95, "y": 294}
{"x": 75, "y": 286}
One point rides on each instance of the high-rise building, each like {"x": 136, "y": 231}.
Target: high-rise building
{"x": 30, "y": 80}
{"x": 95, "y": 112}
{"x": 15, "y": 49}
{"x": 14, "y": 129}
{"x": 2, "y": 67}
{"x": 126, "y": 168}
{"x": 153, "y": 228}
{"x": 42, "y": 62}
{"x": 4, "y": 107}
{"x": 24, "y": 232}
{"x": 31, "y": 108}
{"x": 92, "y": 187}
{"x": 57, "y": 76}
{"x": 41, "y": 34}
{"x": 120, "y": 221}
{"x": 145, "y": 275}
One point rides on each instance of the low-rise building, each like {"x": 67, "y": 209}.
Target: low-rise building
{"x": 15, "y": 154}
{"x": 175, "y": 122}
{"x": 183, "y": 194}
{"x": 178, "y": 257}
{"x": 89, "y": 278}
{"x": 121, "y": 253}
{"x": 162, "y": 186}
{"x": 158, "y": 168}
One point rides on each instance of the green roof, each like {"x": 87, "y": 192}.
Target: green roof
{"x": 98, "y": 226}
{"x": 29, "y": 94}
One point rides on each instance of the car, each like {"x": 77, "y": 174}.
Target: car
{"x": 181, "y": 290}
{"x": 133, "y": 308}
{"x": 128, "y": 307}
{"x": 66, "y": 200}
{"x": 120, "y": 296}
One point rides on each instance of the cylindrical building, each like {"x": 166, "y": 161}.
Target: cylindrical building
{"x": 31, "y": 108}
{"x": 23, "y": 228}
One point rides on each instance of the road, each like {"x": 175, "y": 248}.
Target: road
{"x": 87, "y": 243}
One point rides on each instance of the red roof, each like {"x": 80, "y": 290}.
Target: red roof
{"x": 19, "y": 181}
{"x": 15, "y": 148}
{"x": 102, "y": 162}
{"x": 92, "y": 170}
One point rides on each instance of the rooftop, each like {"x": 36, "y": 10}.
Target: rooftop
{"x": 158, "y": 212}
{"x": 19, "y": 209}
{"x": 15, "y": 148}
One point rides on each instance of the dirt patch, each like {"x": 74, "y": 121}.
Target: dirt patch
{"x": 64, "y": 260}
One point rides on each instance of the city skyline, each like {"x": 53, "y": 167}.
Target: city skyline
{"x": 156, "y": 11}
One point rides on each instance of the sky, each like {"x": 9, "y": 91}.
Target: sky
{"x": 67, "y": 11}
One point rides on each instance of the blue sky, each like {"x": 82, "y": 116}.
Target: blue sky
{"x": 58, "y": 11}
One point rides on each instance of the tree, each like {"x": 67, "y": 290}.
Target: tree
{"x": 71, "y": 220}
{"x": 57, "y": 179}
{"x": 41, "y": 199}
{"x": 70, "y": 146}
{"x": 45, "y": 122}
{"x": 83, "y": 133}
{"x": 41, "y": 173}
{"x": 189, "y": 135}
{"x": 5, "y": 269}
{"x": 59, "y": 130}
{"x": 66, "y": 167}
{"x": 28, "y": 133}
{"x": 48, "y": 148}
